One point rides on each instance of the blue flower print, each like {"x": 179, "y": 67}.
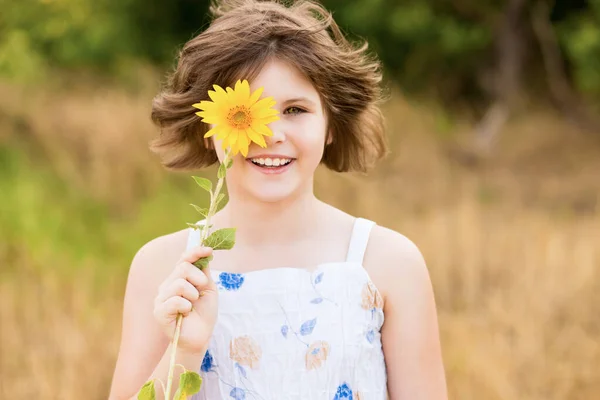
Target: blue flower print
{"x": 237, "y": 394}
{"x": 207, "y": 362}
{"x": 284, "y": 330}
{"x": 307, "y": 327}
{"x": 241, "y": 369}
{"x": 231, "y": 281}
{"x": 343, "y": 392}
{"x": 319, "y": 278}
{"x": 371, "y": 336}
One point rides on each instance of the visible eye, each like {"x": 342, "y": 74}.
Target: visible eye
{"x": 294, "y": 110}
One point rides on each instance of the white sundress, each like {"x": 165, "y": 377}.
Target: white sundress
{"x": 290, "y": 333}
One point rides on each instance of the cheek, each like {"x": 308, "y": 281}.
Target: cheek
{"x": 217, "y": 145}
{"x": 312, "y": 139}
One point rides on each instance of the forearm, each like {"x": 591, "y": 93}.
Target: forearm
{"x": 191, "y": 362}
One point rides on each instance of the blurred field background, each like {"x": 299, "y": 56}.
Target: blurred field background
{"x": 494, "y": 173}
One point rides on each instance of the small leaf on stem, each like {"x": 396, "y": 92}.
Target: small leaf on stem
{"x": 203, "y": 262}
{"x": 203, "y": 183}
{"x": 189, "y": 384}
{"x": 202, "y": 211}
{"x": 221, "y": 239}
{"x": 147, "y": 391}
{"x": 220, "y": 197}
{"x": 229, "y": 163}
{"x": 195, "y": 226}
{"x": 222, "y": 171}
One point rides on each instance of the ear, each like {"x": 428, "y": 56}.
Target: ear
{"x": 329, "y": 138}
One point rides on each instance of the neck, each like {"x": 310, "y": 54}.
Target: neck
{"x": 258, "y": 222}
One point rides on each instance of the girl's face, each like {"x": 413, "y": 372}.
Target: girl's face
{"x": 297, "y": 143}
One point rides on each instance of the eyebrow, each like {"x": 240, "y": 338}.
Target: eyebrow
{"x": 299, "y": 100}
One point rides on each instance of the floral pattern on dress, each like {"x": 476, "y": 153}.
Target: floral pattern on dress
{"x": 317, "y": 354}
{"x": 245, "y": 351}
{"x": 246, "y": 356}
{"x": 343, "y": 392}
{"x": 371, "y": 298}
{"x": 230, "y": 281}
{"x": 207, "y": 362}
{"x": 237, "y": 393}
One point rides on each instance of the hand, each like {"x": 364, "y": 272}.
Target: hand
{"x": 193, "y": 293}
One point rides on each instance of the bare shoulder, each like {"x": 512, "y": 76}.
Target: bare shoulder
{"x": 394, "y": 260}
{"x": 410, "y": 333}
{"x": 142, "y": 342}
{"x": 158, "y": 256}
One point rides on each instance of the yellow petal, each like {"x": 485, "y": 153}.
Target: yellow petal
{"x": 261, "y": 104}
{"x": 263, "y": 130}
{"x": 255, "y": 96}
{"x": 242, "y": 143}
{"x": 209, "y": 119}
{"x": 256, "y": 137}
{"x": 219, "y": 90}
{"x": 234, "y": 149}
{"x": 233, "y": 136}
{"x": 218, "y": 95}
{"x": 242, "y": 92}
{"x": 223, "y": 132}
{"x": 205, "y": 105}
{"x": 215, "y": 130}
{"x": 267, "y": 120}
{"x": 265, "y": 113}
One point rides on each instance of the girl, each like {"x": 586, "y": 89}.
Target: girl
{"x": 312, "y": 303}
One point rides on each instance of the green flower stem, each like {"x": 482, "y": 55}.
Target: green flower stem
{"x": 213, "y": 202}
{"x": 204, "y": 234}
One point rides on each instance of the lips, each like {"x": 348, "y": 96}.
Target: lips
{"x": 271, "y": 169}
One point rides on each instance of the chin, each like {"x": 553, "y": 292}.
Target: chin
{"x": 272, "y": 193}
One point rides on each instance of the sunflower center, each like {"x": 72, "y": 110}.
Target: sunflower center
{"x": 240, "y": 117}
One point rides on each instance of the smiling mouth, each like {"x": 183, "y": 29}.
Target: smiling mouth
{"x": 271, "y": 163}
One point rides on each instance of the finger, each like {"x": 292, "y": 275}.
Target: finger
{"x": 186, "y": 271}
{"x": 210, "y": 284}
{"x": 193, "y": 275}
{"x": 174, "y": 306}
{"x": 179, "y": 287}
{"x": 192, "y": 255}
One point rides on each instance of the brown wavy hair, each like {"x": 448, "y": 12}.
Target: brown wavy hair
{"x": 242, "y": 37}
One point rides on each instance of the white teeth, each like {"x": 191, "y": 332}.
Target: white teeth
{"x": 275, "y": 162}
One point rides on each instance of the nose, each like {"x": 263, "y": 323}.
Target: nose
{"x": 278, "y": 129}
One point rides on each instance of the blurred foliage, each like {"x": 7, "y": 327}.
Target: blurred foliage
{"x": 439, "y": 47}
{"x": 580, "y": 36}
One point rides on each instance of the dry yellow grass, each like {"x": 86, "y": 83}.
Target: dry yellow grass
{"x": 513, "y": 247}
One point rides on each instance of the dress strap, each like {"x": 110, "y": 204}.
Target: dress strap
{"x": 359, "y": 240}
{"x": 193, "y": 236}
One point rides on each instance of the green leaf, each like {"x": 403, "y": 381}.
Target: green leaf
{"x": 203, "y": 183}
{"x": 189, "y": 384}
{"x": 203, "y": 262}
{"x": 229, "y": 163}
{"x": 202, "y": 211}
{"x": 222, "y": 171}
{"x": 219, "y": 198}
{"x": 221, "y": 239}
{"x": 147, "y": 391}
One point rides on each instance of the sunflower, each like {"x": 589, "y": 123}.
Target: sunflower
{"x": 238, "y": 116}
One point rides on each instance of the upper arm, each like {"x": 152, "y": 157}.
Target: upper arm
{"x": 410, "y": 333}
{"x": 142, "y": 341}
